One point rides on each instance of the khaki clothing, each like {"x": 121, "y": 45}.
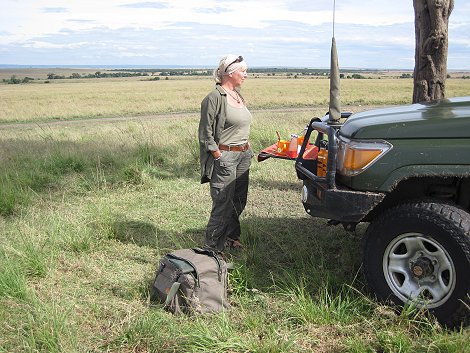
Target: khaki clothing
{"x": 229, "y": 175}
{"x": 229, "y": 192}
{"x": 211, "y": 125}
{"x": 237, "y": 126}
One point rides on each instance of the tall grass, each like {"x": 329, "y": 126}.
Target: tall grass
{"x": 93, "y": 206}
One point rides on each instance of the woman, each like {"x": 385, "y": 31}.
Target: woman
{"x": 225, "y": 153}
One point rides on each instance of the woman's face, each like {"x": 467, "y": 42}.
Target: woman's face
{"x": 239, "y": 77}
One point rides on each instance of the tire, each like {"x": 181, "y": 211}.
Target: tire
{"x": 419, "y": 253}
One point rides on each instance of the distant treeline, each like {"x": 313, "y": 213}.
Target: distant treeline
{"x": 167, "y": 72}
{"x": 14, "y": 80}
{"x": 269, "y": 71}
{"x": 157, "y": 73}
{"x": 97, "y": 74}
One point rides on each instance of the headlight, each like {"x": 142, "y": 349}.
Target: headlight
{"x": 356, "y": 156}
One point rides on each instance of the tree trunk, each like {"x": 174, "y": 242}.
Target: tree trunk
{"x": 431, "y": 30}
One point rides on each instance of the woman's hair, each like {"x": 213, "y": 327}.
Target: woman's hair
{"x": 228, "y": 64}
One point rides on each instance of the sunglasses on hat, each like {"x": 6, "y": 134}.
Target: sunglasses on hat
{"x": 237, "y": 60}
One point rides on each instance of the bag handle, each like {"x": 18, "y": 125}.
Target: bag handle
{"x": 210, "y": 252}
{"x": 206, "y": 251}
{"x": 213, "y": 254}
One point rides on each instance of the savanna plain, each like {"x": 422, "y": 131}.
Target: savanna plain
{"x": 99, "y": 178}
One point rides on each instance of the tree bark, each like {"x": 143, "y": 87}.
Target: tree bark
{"x": 431, "y": 30}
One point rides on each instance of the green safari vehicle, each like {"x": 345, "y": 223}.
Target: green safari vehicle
{"x": 404, "y": 170}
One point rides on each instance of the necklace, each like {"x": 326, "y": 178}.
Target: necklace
{"x": 237, "y": 97}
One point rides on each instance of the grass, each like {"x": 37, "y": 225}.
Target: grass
{"x": 101, "y": 98}
{"x": 92, "y": 206}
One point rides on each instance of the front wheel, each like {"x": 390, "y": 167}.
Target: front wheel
{"x": 419, "y": 253}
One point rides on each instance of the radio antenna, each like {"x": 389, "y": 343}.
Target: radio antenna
{"x": 334, "y": 110}
{"x": 334, "y": 12}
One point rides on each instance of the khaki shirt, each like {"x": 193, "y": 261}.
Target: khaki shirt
{"x": 211, "y": 125}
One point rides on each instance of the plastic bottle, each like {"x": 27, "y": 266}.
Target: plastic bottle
{"x": 292, "y": 151}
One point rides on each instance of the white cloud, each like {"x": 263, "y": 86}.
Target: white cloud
{"x": 47, "y": 45}
{"x": 41, "y": 18}
{"x": 290, "y": 30}
{"x": 54, "y": 10}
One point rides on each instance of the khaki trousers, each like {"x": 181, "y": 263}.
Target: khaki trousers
{"x": 229, "y": 191}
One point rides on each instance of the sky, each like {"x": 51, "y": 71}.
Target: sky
{"x": 294, "y": 33}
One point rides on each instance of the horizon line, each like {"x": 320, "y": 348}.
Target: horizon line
{"x": 208, "y": 67}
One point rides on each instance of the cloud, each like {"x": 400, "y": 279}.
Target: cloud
{"x": 81, "y": 21}
{"x": 462, "y": 42}
{"x": 375, "y": 33}
{"x": 48, "y": 45}
{"x": 55, "y": 10}
{"x": 216, "y": 10}
{"x": 279, "y": 43}
{"x": 308, "y": 5}
{"x": 145, "y": 5}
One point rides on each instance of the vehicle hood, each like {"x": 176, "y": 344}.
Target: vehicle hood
{"x": 447, "y": 118}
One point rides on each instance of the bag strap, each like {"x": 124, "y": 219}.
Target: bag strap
{"x": 172, "y": 292}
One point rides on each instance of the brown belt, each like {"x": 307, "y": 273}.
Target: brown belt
{"x": 236, "y": 148}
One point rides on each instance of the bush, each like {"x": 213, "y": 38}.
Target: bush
{"x": 358, "y": 76}
{"x": 13, "y": 80}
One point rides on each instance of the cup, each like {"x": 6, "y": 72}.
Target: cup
{"x": 282, "y": 146}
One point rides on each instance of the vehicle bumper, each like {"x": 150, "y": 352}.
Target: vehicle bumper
{"x": 338, "y": 203}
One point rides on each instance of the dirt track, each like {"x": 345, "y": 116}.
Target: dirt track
{"x": 28, "y": 125}
{"x": 164, "y": 116}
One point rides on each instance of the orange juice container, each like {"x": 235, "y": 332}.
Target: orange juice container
{"x": 322, "y": 161}
{"x": 293, "y": 145}
{"x": 282, "y": 146}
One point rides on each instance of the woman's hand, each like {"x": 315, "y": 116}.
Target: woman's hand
{"x": 216, "y": 154}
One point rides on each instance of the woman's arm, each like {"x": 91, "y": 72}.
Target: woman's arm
{"x": 207, "y": 125}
